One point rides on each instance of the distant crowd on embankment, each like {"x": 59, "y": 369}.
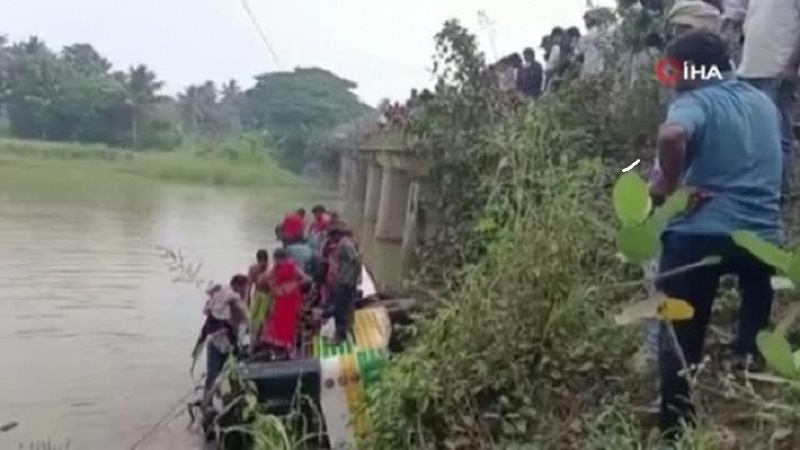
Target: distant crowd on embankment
{"x": 567, "y": 53}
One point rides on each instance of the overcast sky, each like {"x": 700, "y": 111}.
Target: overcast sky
{"x": 384, "y": 46}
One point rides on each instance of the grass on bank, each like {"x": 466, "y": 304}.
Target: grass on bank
{"x": 223, "y": 164}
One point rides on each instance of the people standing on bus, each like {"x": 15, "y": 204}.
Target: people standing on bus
{"x": 225, "y": 311}
{"x": 344, "y": 272}
{"x": 292, "y": 227}
{"x": 259, "y": 300}
{"x": 255, "y": 270}
{"x": 285, "y": 280}
{"x": 299, "y": 250}
{"x": 317, "y": 228}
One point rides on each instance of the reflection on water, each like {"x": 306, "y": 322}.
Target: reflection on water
{"x": 94, "y": 335}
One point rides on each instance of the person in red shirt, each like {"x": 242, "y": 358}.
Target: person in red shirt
{"x": 293, "y": 227}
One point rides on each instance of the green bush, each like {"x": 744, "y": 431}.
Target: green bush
{"x": 239, "y": 162}
{"x": 520, "y": 349}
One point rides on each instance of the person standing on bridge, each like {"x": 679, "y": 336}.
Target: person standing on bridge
{"x": 721, "y": 140}
{"x": 529, "y": 77}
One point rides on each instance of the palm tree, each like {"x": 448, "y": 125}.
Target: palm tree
{"x": 33, "y": 46}
{"x": 141, "y": 87}
{"x": 188, "y": 104}
{"x": 85, "y": 59}
{"x": 231, "y": 91}
{"x": 232, "y": 102}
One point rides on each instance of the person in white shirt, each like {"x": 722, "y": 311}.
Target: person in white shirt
{"x": 592, "y": 47}
{"x": 771, "y": 59}
{"x": 554, "y": 58}
{"x": 733, "y": 15}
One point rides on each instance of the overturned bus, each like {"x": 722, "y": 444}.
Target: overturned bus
{"x": 333, "y": 379}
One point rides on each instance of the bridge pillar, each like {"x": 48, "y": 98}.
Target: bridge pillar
{"x": 393, "y": 204}
{"x": 373, "y": 191}
{"x": 345, "y": 173}
{"x": 360, "y": 181}
{"x": 410, "y": 227}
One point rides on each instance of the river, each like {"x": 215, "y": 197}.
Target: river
{"x": 95, "y": 335}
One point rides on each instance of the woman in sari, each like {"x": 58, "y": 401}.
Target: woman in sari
{"x": 284, "y": 280}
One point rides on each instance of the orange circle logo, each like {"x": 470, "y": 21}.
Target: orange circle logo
{"x": 668, "y": 71}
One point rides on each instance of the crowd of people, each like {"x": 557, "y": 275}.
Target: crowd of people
{"x": 396, "y": 114}
{"x": 314, "y": 275}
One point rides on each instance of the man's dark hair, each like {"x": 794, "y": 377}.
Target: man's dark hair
{"x": 514, "y": 60}
{"x": 318, "y": 209}
{"x": 529, "y": 53}
{"x": 238, "y": 280}
{"x": 426, "y": 95}
{"x": 280, "y": 254}
{"x": 702, "y": 48}
{"x": 262, "y": 255}
{"x": 301, "y": 212}
{"x": 574, "y": 32}
{"x": 557, "y": 31}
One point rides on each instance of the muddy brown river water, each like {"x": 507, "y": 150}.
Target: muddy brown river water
{"x": 94, "y": 335}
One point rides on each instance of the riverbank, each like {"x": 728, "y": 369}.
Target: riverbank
{"x": 223, "y": 166}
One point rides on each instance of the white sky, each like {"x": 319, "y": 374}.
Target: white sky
{"x": 384, "y": 46}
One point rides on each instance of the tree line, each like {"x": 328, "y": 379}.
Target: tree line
{"x": 75, "y": 94}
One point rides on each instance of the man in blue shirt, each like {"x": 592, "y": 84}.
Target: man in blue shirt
{"x": 721, "y": 138}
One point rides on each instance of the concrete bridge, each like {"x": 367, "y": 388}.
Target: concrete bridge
{"x": 384, "y": 177}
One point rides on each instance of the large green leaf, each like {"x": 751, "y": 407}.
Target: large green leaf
{"x": 793, "y": 271}
{"x": 766, "y": 251}
{"x": 631, "y": 199}
{"x": 638, "y": 243}
{"x": 777, "y": 352}
{"x": 674, "y": 205}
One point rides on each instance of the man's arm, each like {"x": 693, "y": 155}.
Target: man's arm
{"x": 238, "y": 304}
{"x": 684, "y": 118}
{"x": 671, "y": 155}
{"x": 251, "y": 282}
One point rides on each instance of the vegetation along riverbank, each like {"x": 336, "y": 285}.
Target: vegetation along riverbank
{"x": 237, "y": 163}
{"x": 521, "y": 349}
